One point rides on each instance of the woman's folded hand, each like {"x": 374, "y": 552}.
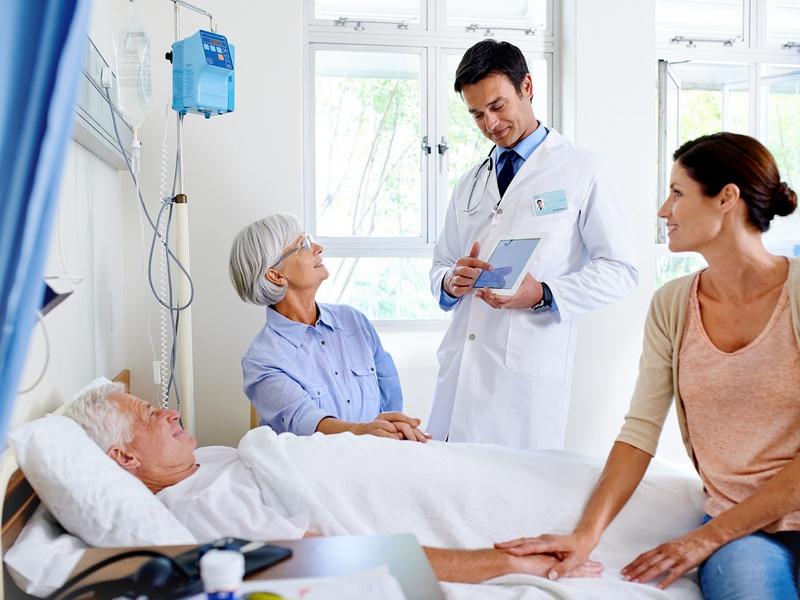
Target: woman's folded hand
{"x": 394, "y": 425}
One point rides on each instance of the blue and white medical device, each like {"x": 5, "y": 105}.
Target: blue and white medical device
{"x": 202, "y": 74}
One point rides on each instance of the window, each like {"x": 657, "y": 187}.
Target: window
{"x": 510, "y": 13}
{"x": 403, "y": 11}
{"x": 389, "y": 138}
{"x": 783, "y": 22}
{"x": 368, "y": 112}
{"x": 707, "y": 83}
{"x": 703, "y": 21}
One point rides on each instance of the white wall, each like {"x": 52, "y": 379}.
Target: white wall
{"x": 87, "y": 330}
{"x": 612, "y": 74}
{"x": 242, "y": 166}
{"x": 238, "y": 168}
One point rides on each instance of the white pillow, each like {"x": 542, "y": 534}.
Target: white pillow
{"x": 44, "y": 555}
{"x": 90, "y": 495}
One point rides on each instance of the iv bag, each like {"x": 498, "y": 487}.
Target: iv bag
{"x": 132, "y": 64}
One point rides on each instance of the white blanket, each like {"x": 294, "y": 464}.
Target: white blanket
{"x": 470, "y": 496}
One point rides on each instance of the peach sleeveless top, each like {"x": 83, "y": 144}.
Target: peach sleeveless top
{"x": 742, "y": 407}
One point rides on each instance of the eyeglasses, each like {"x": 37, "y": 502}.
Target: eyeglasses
{"x": 304, "y": 244}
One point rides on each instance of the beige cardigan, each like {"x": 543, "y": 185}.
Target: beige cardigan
{"x": 657, "y": 383}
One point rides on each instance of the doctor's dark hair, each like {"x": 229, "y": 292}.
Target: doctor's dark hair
{"x": 718, "y": 159}
{"x": 491, "y": 56}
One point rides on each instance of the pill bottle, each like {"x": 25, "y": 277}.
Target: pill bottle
{"x": 222, "y": 572}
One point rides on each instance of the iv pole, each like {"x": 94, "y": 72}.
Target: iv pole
{"x": 184, "y": 369}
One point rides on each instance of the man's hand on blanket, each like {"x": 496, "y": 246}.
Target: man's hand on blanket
{"x": 569, "y": 552}
{"x": 542, "y": 564}
{"x": 674, "y": 558}
{"x": 474, "y": 566}
{"x": 394, "y": 425}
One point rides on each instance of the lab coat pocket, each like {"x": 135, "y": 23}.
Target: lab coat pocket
{"x": 368, "y": 384}
{"x": 537, "y": 344}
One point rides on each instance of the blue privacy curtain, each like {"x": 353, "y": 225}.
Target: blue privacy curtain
{"x": 42, "y": 45}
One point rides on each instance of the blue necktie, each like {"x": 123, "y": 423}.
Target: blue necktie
{"x": 506, "y": 174}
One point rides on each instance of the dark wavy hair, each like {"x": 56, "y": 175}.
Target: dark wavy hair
{"x": 718, "y": 159}
{"x": 491, "y": 56}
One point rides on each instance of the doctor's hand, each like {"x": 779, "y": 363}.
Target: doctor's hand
{"x": 571, "y": 551}
{"x": 464, "y": 273}
{"x": 529, "y": 293}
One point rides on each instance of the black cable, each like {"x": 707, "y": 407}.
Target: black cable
{"x": 109, "y": 561}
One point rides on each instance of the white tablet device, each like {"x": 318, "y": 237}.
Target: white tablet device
{"x": 511, "y": 259}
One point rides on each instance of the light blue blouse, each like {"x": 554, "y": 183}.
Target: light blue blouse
{"x": 296, "y": 374}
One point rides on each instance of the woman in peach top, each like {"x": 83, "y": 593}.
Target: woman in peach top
{"x": 725, "y": 344}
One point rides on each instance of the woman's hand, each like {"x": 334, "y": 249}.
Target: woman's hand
{"x": 674, "y": 558}
{"x": 393, "y": 425}
{"x": 571, "y": 551}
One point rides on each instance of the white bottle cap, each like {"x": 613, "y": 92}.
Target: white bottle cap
{"x": 221, "y": 570}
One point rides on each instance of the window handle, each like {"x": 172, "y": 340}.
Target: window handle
{"x": 426, "y": 151}
{"x": 443, "y": 147}
{"x": 426, "y": 147}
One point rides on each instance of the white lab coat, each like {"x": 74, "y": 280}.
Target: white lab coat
{"x": 505, "y": 375}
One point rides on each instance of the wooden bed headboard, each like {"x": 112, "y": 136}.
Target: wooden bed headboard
{"x": 19, "y": 502}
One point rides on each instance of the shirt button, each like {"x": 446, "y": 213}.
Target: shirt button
{"x": 372, "y": 368}
{"x": 336, "y": 372}
{"x": 348, "y": 400}
{"x": 471, "y": 336}
{"x": 499, "y": 211}
{"x": 323, "y": 342}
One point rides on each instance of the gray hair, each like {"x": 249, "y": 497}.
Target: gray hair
{"x": 100, "y": 417}
{"x": 254, "y": 251}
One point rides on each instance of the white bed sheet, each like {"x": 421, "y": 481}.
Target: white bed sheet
{"x": 449, "y": 495}
{"x": 469, "y": 496}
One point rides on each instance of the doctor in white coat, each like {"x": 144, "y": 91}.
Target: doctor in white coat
{"x": 505, "y": 363}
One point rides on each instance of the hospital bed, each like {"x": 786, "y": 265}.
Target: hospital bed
{"x": 20, "y": 502}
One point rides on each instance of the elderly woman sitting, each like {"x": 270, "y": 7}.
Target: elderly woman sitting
{"x": 312, "y": 367}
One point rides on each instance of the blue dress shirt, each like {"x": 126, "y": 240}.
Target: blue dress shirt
{"x": 524, "y": 148}
{"x": 297, "y": 374}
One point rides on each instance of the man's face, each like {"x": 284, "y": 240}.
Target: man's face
{"x": 503, "y": 115}
{"x": 160, "y": 450}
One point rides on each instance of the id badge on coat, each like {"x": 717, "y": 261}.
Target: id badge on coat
{"x": 549, "y": 203}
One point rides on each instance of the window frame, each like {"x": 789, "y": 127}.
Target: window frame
{"x": 356, "y": 245}
{"x": 755, "y": 52}
{"x": 434, "y": 40}
{"x": 311, "y": 19}
{"x": 763, "y": 30}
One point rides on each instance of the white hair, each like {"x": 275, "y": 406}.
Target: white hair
{"x": 254, "y": 251}
{"x": 102, "y": 418}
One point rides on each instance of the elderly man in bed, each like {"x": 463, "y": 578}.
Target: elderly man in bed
{"x": 214, "y": 494}
{"x": 450, "y": 495}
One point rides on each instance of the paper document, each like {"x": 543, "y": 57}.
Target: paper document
{"x": 375, "y": 584}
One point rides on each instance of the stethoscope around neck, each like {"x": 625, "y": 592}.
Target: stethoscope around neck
{"x": 487, "y": 162}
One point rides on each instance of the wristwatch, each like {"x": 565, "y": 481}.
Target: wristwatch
{"x": 546, "y": 302}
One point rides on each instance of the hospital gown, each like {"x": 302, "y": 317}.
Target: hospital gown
{"x": 222, "y": 498}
